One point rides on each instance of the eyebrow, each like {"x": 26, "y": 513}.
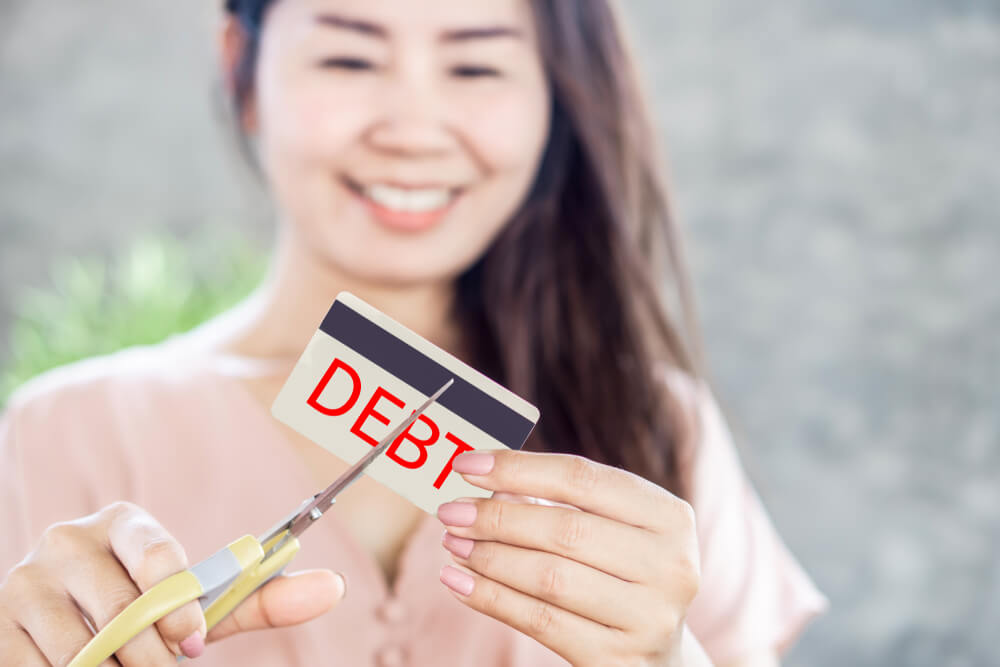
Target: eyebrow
{"x": 375, "y": 30}
{"x": 466, "y": 34}
{"x": 357, "y": 25}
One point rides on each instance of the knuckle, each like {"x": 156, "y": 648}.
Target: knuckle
{"x": 115, "y": 599}
{"x": 679, "y": 575}
{"x": 677, "y": 516}
{"x": 22, "y": 580}
{"x": 664, "y": 621}
{"x": 688, "y": 583}
{"x": 510, "y": 463}
{"x": 484, "y": 556}
{"x": 61, "y": 538}
{"x": 661, "y": 625}
{"x": 541, "y": 619}
{"x": 571, "y": 530}
{"x": 673, "y": 619}
{"x": 160, "y": 558}
{"x": 491, "y": 599}
{"x": 683, "y": 572}
{"x": 495, "y": 517}
{"x": 553, "y": 584}
{"x": 686, "y": 512}
{"x": 68, "y": 653}
{"x": 119, "y": 509}
{"x": 178, "y": 625}
{"x": 582, "y": 473}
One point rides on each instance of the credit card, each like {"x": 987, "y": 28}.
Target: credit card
{"x": 362, "y": 373}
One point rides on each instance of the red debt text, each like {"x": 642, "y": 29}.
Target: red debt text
{"x": 381, "y": 402}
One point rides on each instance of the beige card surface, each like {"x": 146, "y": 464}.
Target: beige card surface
{"x": 363, "y": 373}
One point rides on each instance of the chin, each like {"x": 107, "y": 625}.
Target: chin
{"x": 396, "y": 267}
{"x": 363, "y": 247}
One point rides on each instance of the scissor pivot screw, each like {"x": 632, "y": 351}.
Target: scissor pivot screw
{"x": 315, "y": 514}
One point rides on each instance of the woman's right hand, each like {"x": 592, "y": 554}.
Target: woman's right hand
{"x": 93, "y": 567}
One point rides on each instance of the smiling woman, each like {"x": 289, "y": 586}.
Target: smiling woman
{"x": 418, "y": 120}
{"x": 483, "y": 172}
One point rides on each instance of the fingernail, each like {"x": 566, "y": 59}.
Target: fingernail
{"x": 473, "y": 463}
{"x": 457, "y": 514}
{"x": 457, "y": 580}
{"x": 193, "y": 646}
{"x": 459, "y": 546}
{"x": 343, "y": 583}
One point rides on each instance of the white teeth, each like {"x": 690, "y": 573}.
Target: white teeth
{"x": 412, "y": 201}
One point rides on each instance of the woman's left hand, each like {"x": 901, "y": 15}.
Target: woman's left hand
{"x": 606, "y": 584}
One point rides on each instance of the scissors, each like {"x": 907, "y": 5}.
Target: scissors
{"x": 224, "y": 580}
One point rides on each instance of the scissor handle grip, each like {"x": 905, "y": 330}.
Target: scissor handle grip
{"x": 147, "y": 609}
{"x": 253, "y": 577}
{"x": 226, "y": 567}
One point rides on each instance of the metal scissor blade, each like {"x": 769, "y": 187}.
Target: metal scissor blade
{"x": 322, "y": 500}
{"x": 285, "y": 523}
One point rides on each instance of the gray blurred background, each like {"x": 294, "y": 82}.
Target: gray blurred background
{"x": 833, "y": 164}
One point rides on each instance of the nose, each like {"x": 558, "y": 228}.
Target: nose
{"x": 414, "y": 118}
{"x": 409, "y": 137}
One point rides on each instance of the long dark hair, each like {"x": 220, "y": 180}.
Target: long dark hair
{"x": 565, "y": 307}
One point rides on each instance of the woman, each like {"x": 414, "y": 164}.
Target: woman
{"x": 481, "y": 171}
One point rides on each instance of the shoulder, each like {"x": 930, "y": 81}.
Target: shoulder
{"x": 706, "y": 435}
{"x": 754, "y": 594}
{"x": 87, "y": 433}
{"x": 64, "y": 451}
{"x": 715, "y": 480}
{"x": 96, "y": 394}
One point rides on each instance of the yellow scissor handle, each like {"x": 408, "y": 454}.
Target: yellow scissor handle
{"x": 253, "y": 578}
{"x": 151, "y": 606}
{"x": 237, "y": 563}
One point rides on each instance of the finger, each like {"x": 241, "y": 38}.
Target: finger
{"x": 530, "y": 500}
{"x": 563, "y": 582}
{"x": 102, "y": 591}
{"x": 574, "y": 638}
{"x": 285, "y": 600}
{"x": 514, "y": 498}
{"x": 618, "y": 549}
{"x": 17, "y": 646}
{"x": 56, "y": 626}
{"x": 150, "y": 554}
{"x": 593, "y": 487}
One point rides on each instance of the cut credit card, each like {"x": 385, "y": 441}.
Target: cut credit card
{"x": 362, "y": 373}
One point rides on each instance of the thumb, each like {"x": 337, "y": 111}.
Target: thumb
{"x": 285, "y": 600}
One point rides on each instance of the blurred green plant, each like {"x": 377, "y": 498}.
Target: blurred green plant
{"x": 157, "y": 287}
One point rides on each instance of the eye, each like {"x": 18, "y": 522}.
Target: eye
{"x": 474, "y": 71}
{"x": 347, "y": 63}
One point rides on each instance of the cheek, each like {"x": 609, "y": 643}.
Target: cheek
{"x": 508, "y": 135}
{"x": 307, "y": 129}
{"x": 307, "y": 122}
{"x": 508, "y": 132}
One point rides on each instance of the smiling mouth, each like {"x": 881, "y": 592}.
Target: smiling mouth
{"x": 405, "y": 200}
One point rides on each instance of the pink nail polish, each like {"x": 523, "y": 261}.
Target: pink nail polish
{"x": 193, "y": 646}
{"x": 459, "y": 546}
{"x": 457, "y": 580}
{"x": 473, "y": 463}
{"x": 457, "y": 514}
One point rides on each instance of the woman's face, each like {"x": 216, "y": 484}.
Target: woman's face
{"x": 399, "y": 137}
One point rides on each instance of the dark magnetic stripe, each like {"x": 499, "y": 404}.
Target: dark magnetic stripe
{"x": 425, "y": 375}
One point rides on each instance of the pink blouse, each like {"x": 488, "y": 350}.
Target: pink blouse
{"x": 170, "y": 431}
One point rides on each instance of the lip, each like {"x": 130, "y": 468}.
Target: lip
{"x": 406, "y": 221}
